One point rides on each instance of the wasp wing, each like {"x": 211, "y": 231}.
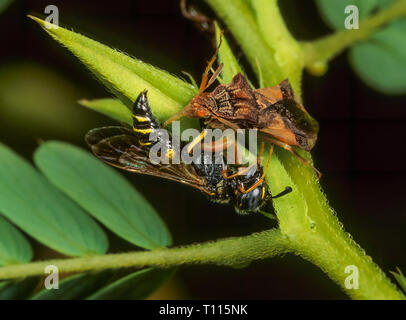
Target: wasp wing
{"x": 120, "y": 147}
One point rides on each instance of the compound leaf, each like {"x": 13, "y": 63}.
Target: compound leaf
{"x": 103, "y": 192}
{"x": 32, "y": 203}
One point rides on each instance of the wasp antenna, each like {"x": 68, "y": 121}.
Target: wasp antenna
{"x": 284, "y": 192}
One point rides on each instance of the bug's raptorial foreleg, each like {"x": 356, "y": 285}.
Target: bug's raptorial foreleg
{"x": 175, "y": 117}
{"x": 291, "y": 150}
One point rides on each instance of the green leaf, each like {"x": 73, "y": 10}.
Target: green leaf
{"x": 112, "y": 108}
{"x": 29, "y": 201}
{"x": 381, "y": 61}
{"x": 75, "y": 287}
{"x": 19, "y": 289}
{"x": 136, "y": 286}
{"x": 333, "y": 12}
{"x": 400, "y": 278}
{"x": 14, "y": 248}
{"x": 124, "y": 76}
{"x": 386, "y": 45}
{"x": 4, "y": 4}
{"x": 103, "y": 192}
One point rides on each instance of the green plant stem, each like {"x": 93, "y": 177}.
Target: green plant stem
{"x": 315, "y": 233}
{"x": 308, "y": 226}
{"x": 321, "y": 51}
{"x": 239, "y": 18}
{"x": 285, "y": 48}
{"x": 231, "y": 252}
{"x": 228, "y": 252}
{"x": 305, "y": 218}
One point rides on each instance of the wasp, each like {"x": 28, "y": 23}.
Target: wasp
{"x": 273, "y": 111}
{"x": 128, "y": 149}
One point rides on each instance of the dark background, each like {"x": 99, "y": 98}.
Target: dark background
{"x": 361, "y": 146}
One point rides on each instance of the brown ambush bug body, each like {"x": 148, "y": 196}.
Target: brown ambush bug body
{"x": 273, "y": 111}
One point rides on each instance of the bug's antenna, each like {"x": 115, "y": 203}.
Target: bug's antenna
{"x": 284, "y": 192}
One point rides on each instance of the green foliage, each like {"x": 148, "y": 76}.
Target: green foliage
{"x": 138, "y": 285}
{"x": 333, "y": 13}
{"x": 400, "y": 278}
{"x": 14, "y": 248}
{"x": 48, "y": 215}
{"x": 124, "y": 76}
{"x": 28, "y": 200}
{"x": 4, "y": 5}
{"x": 102, "y": 192}
{"x": 53, "y": 211}
{"x": 251, "y": 29}
{"x": 75, "y": 287}
{"x": 386, "y": 46}
{"x": 18, "y": 289}
{"x": 112, "y": 108}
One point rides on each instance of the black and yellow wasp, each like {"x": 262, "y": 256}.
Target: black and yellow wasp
{"x": 128, "y": 148}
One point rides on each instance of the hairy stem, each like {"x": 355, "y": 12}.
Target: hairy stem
{"x": 286, "y": 49}
{"x": 229, "y": 252}
{"x": 241, "y": 21}
{"x": 321, "y": 51}
{"x": 305, "y": 218}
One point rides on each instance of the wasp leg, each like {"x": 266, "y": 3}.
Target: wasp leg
{"x": 240, "y": 172}
{"x": 291, "y": 150}
{"x": 241, "y": 186}
{"x": 244, "y": 170}
{"x": 196, "y": 140}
